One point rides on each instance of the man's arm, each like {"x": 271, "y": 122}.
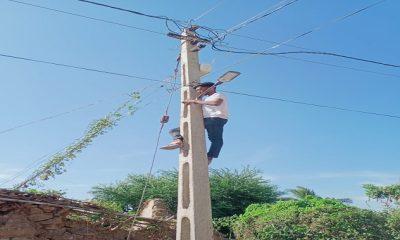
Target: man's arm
{"x": 215, "y": 102}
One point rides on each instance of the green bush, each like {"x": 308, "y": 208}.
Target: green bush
{"x": 224, "y": 225}
{"x": 126, "y": 194}
{"x": 393, "y": 223}
{"x": 310, "y": 218}
{"x": 231, "y": 190}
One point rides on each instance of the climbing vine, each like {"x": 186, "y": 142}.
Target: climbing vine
{"x": 56, "y": 164}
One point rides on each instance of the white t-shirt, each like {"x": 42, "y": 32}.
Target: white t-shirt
{"x": 220, "y": 111}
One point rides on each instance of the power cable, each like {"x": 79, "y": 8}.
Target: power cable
{"x": 335, "y": 20}
{"x": 56, "y": 115}
{"x": 45, "y": 157}
{"x": 338, "y": 66}
{"x": 219, "y": 3}
{"x": 88, "y": 17}
{"x": 311, "y": 61}
{"x": 147, "y": 179}
{"x": 271, "y": 10}
{"x": 340, "y": 56}
{"x": 162, "y": 124}
{"x": 249, "y": 52}
{"x": 127, "y": 75}
{"x": 30, "y": 166}
{"x": 338, "y": 19}
{"x": 79, "y": 67}
{"x": 131, "y": 11}
{"x": 178, "y": 23}
{"x": 314, "y": 104}
{"x": 99, "y": 70}
{"x": 215, "y": 36}
{"x": 267, "y": 41}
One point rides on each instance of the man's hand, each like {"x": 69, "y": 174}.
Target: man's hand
{"x": 190, "y": 101}
{"x": 215, "y": 102}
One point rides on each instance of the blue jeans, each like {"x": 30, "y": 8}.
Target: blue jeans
{"x": 215, "y": 129}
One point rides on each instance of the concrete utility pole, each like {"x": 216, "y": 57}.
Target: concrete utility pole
{"x": 194, "y": 201}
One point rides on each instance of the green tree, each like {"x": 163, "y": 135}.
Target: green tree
{"x": 310, "y": 218}
{"x": 389, "y": 196}
{"x": 126, "y": 194}
{"x": 231, "y": 190}
{"x": 301, "y": 192}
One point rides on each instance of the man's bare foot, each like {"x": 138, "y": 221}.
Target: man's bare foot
{"x": 209, "y": 160}
{"x": 177, "y": 143}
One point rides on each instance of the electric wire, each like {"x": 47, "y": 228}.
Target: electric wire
{"x": 132, "y": 76}
{"x": 218, "y": 35}
{"x": 149, "y": 174}
{"x": 79, "y": 67}
{"x": 267, "y": 41}
{"x": 340, "y": 56}
{"x": 202, "y": 15}
{"x": 88, "y": 17}
{"x": 180, "y": 24}
{"x": 30, "y": 166}
{"x": 333, "y": 21}
{"x": 249, "y": 52}
{"x": 47, "y": 156}
{"x": 339, "y": 66}
{"x": 271, "y": 10}
{"x": 315, "y": 105}
{"x": 233, "y": 28}
{"x": 43, "y": 158}
{"x": 53, "y": 116}
{"x": 131, "y": 11}
{"x": 312, "y": 61}
{"x": 219, "y": 3}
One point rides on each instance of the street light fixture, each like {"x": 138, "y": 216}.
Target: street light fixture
{"x": 227, "y": 77}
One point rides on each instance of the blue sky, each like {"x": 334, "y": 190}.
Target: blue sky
{"x": 332, "y": 152}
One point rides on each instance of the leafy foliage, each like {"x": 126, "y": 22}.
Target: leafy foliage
{"x": 56, "y": 164}
{"x": 231, "y": 190}
{"x": 309, "y": 218}
{"x": 393, "y": 223}
{"x": 126, "y": 194}
{"x": 110, "y": 206}
{"x": 224, "y": 225}
{"x": 301, "y": 192}
{"x": 386, "y": 194}
{"x": 51, "y": 192}
{"x": 390, "y": 197}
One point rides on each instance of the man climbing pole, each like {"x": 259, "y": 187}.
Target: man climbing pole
{"x": 215, "y": 114}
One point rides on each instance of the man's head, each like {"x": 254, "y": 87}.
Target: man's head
{"x": 206, "y": 88}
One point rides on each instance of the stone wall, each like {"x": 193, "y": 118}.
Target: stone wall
{"x": 31, "y": 216}
{"x": 26, "y": 216}
{"x": 25, "y": 221}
